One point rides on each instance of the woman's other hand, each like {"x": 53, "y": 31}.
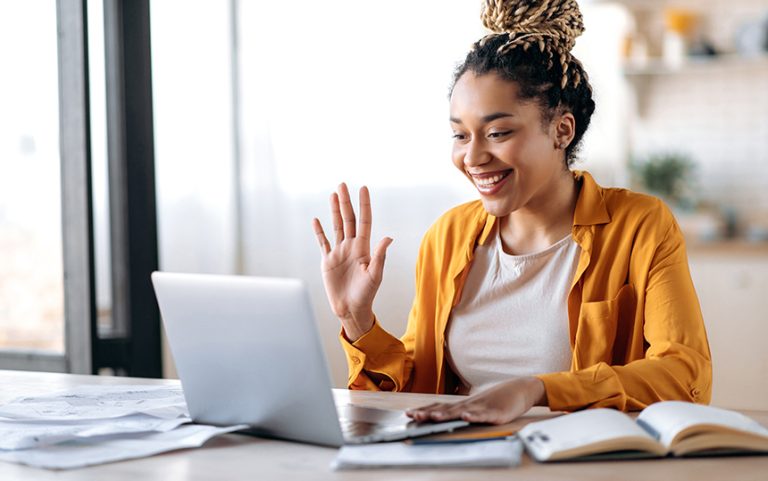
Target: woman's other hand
{"x": 351, "y": 275}
{"x": 499, "y": 404}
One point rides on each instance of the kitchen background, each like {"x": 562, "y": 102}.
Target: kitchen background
{"x": 261, "y": 108}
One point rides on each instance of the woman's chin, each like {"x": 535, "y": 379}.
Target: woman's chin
{"x": 497, "y": 207}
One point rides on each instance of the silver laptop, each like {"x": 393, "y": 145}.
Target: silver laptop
{"x": 247, "y": 351}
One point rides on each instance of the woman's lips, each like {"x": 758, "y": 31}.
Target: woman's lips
{"x": 490, "y": 183}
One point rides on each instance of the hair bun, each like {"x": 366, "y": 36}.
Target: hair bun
{"x": 558, "y": 20}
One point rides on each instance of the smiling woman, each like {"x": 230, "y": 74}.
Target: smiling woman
{"x": 548, "y": 290}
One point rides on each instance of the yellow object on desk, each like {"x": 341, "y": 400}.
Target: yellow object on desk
{"x": 680, "y": 21}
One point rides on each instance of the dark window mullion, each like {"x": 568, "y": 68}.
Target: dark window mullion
{"x": 132, "y": 192}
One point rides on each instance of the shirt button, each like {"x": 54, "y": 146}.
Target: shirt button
{"x": 695, "y": 393}
{"x": 356, "y": 360}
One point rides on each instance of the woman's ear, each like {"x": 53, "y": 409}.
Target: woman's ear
{"x": 565, "y": 129}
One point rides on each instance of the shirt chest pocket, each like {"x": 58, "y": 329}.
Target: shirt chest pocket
{"x": 602, "y": 328}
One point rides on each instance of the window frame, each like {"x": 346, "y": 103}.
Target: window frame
{"x": 133, "y": 344}
{"x": 76, "y": 205}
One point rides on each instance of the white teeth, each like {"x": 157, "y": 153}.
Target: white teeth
{"x": 489, "y": 181}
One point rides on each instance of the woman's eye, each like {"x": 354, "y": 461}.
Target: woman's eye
{"x": 496, "y": 135}
{"x": 458, "y": 136}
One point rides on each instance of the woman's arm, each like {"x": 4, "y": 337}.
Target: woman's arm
{"x": 676, "y": 363}
{"x": 379, "y": 361}
{"x": 352, "y": 276}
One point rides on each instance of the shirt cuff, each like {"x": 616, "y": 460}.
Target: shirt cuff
{"x": 597, "y": 386}
{"x": 370, "y": 352}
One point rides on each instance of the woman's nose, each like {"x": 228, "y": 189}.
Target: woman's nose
{"x": 475, "y": 154}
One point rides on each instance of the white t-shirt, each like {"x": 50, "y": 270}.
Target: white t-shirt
{"x": 512, "y": 319}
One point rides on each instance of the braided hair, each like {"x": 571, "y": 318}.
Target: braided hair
{"x": 530, "y": 45}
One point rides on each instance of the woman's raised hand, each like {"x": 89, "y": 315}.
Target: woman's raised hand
{"x": 351, "y": 275}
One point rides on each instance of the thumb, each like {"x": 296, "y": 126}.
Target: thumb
{"x": 376, "y": 266}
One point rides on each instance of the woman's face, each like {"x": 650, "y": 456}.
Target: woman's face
{"x": 502, "y": 146}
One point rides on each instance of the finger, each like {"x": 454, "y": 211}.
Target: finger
{"x": 431, "y": 412}
{"x": 376, "y": 266}
{"x": 347, "y": 212}
{"x": 449, "y": 411}
{"x": 365, "y": 213}
{"x": 338, "y": 228}
{"x": 422, "y": 408}
{"x": 325, "y": 246}
{"x": 420, "y": 413}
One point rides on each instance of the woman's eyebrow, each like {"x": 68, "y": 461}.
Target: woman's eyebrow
{"x": 486, "y": 118}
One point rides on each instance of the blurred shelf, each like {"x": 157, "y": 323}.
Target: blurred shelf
{"x": 722, "y": 62}
{"x": 636, "y": 4}
{"x": 731, "y": 247}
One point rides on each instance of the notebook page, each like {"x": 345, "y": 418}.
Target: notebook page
{"x": 669, "y": 418}
{"x": 544, "y": 439}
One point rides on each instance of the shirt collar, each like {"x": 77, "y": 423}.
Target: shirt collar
{"x": 590, "y": 206}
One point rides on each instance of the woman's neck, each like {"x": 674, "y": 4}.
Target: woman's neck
{"x": 545, "y": 220}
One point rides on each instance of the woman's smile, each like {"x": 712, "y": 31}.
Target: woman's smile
{"x": 490, "y": 183}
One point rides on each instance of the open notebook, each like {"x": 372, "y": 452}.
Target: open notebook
{"x": 673, "y": 428}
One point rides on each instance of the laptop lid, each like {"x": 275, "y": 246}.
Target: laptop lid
{"x": 247, "y": 351}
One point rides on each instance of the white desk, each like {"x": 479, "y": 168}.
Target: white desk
{"x": 239, "y": 457}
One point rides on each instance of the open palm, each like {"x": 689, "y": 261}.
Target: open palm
{"x": 351, "y": 275}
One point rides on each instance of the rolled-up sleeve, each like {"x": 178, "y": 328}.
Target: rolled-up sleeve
{"x": 380, "y": 353}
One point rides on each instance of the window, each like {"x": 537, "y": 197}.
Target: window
{"x": 44, "y": 202}
{"x": 48, "y": 287}
{"x": 31, "y": 265}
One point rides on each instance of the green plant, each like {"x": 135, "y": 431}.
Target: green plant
{"x": 666, "y": 174}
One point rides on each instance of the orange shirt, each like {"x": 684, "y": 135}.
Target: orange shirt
{"x": 635, "y": 323}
